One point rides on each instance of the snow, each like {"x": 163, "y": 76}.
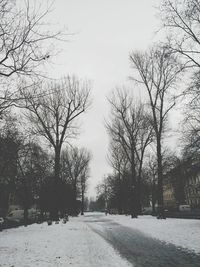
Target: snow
{"x": 76, "y": 244}
{"x": 72, "y": 244}
{"x": 180, "y": 232}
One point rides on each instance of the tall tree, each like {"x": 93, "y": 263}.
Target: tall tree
{"x": 158, "y": 71}
{"x": 53, "y": 110}
{"x": 130, "y": 127}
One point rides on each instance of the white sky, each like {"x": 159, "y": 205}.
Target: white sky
{"x": 106, "y": 31}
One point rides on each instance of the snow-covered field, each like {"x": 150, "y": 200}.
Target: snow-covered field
{"x": 71, "y": 244}
{"x": 180, "y": 232}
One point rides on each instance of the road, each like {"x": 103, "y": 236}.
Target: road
{"x": 139, "y": 249}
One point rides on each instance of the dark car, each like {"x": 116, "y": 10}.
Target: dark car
{"x": 10, "y": 223}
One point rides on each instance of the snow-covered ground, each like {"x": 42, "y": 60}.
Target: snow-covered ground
{"x": 180, "y": 232}
{"x": 76, "y": 244}
{"x": 72, "y": 244}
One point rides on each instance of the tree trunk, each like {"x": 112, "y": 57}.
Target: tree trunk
{"x": 82, "y": 202}
{"x": 25, "y": 216}
{"x": 57, "y": 163}
{"x": 119, "y": 200}
{"x": 160, "y": 181}
{"x": 139, "y": 183}
{"x": 56, "y": 204}
{"x": 153, "y": 198}
{"x": 139, "y": 204}
{"x": 139, "y": 187}
{"x": 134, "y": 187}
{"x": 75, "y": 207}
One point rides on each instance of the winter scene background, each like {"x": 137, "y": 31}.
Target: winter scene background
{"x": 99, "y": 133}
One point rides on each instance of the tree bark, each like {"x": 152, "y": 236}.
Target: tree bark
{"x": 56, "y": 205}
{"x": 153, "y": 197}
{"x": 82, "y": 202}
{"x": 57, "y": 163}
{"x": 120, "y": 195}
{"x": 134, "y": 187}
{"x": 25, "y": 216}
{"x": 160, "y": 180}
{"x": 139, "y": 187}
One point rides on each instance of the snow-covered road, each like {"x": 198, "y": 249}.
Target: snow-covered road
{"x": 143, "y": 244}
{"x": 180, "y": 232}
{"x": 96, "y": 240}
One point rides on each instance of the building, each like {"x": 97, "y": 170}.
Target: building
{"x": 181, "y": 185}
{"x": 192, "y": 188}
{"x": 169, "y": 198}
{"x": 174, "y": 187}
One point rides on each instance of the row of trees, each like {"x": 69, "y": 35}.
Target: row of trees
{"x": 48, "y": 112}
{"x": 27, "y": 174}
{"x": 114, "y": 193}
{"x": 131, "y": 132}
{"x": 137, "y": 129}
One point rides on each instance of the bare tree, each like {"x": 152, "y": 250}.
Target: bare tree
{"x": 158, "y": 71}
{"x": 182, "y": 22}
{"x": 104, "y": 192}
{"x": 26, "y": 43}
{"x": 53, "y": 110}
{"x": 119, "y": 162}
{"x": 130, "y": 127}
{"x": 191, "y": 122}
{"x": 75, "y": 169}
{"x": 9, "y": 143}
{"x": 24, "y": 37}
{"x": 117, "y": 158}
{"x": 181, "y": 19}
{"x": 83, "y": 185}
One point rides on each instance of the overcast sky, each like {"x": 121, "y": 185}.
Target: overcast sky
{"x": 105, "y": 32}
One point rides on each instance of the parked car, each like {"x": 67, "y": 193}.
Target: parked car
{"x": 184, "y": 208}
{"x": 147, "y": 211}
{"x": 17, "y": 215}
{"x": 10, "y": 223}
